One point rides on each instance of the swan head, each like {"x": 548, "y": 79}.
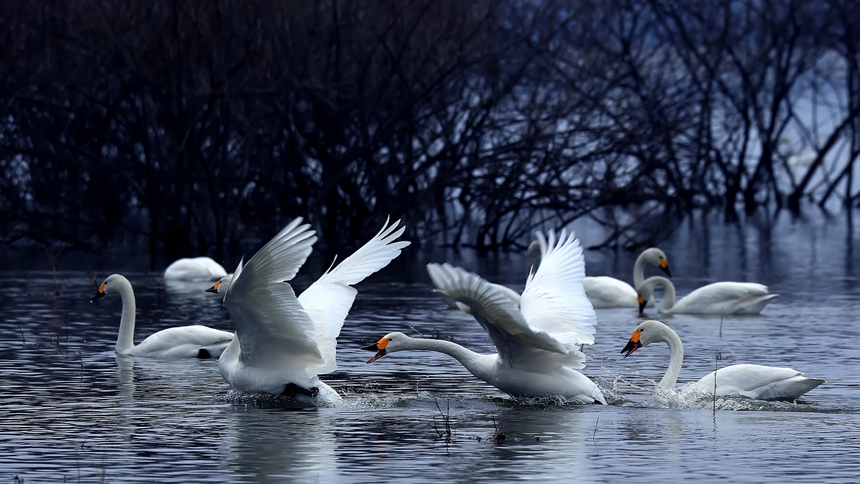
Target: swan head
{"x": 222, "y": 285}
{"x": 658, "y": 258}
{"x": 389, "y": 343}
{"x": 110, "y": 285}
{"x": 646, "y": 333}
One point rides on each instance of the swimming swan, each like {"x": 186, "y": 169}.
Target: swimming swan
{"x": 194, "y": 341}
{"x": 609, "y": 292}
{"x": 752, "y": 381}
{"x": 196, "y": 269}
{"x": 283, "y": 342}
{"x": 716, "y": 298}
{"x": 538, "y": 343}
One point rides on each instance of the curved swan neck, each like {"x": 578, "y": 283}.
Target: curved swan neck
{"x": 676, "y": 358}
{"x": 125, "y": 338}
{"x": 668, "y": 300}
{"x": 639, "y": 269}
{"x": 474, "y": 362}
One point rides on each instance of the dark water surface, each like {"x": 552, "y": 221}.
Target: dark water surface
{"x": 71, "y": 410}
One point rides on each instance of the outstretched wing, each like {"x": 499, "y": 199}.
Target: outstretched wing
{"x": 495, "y": 311}
{"x": 554, "y": 299}
{"x": 329, "y": 299}
{"x": 272, "y": 327}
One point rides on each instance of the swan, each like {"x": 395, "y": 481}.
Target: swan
{"x": 194, "y": 341}
{"x": 752, "y": 381}
{"x": 283, "y": 342}
{"x": 609, "y": 292}
{"x": 196, "y": 269}
{"x": 716, "y": 298}
{"x": 538, "y": 343}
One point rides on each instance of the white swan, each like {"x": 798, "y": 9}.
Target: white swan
{"x": 538, "y": 343}
{"x": 609, "y": 292}
{"x": 716, "y": 298}
{"x": 194, "y": 341}
{"x": 196, "y": 269}
{"x": 752, "y": 381}
{"x": 283, "y": 342}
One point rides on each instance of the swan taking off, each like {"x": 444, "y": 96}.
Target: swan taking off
{"x": 752, "y": 381}
{"x": 609, "y": 292}
{"x": 538, "y": 343}
{"x": 183, "y": 342}
{"x": 196, "y": 269}
{"x": 716, "y": 298}
{"x": 282, "y": 341}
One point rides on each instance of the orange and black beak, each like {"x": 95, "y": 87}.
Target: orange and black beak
{"x": 213, "y": 288}
{"x": 632, "y": 345}
{"x": 664, "y": 264}
{"x": 99, "y": 294}
{"x": 642, "y": 303}
{"x": 379, "y": 347}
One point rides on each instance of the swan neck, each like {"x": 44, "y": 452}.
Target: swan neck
{"x": 639, "y": 270}
{"x": 125, "y": 338}
{"x": 469, "y": 359}
{"x": 668, "y": 297}
{"x": 676, "y": 359}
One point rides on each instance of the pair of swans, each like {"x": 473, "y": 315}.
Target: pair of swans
{"x": 194, "y": 341}
{"x": 282, "y": 341}
{"x": 716, "y": 298}
{"x": 194, "y": 269}
{"x": 537, "y": 340}
{"x": 609, "y": 292}
{"x": 752, "y": 381}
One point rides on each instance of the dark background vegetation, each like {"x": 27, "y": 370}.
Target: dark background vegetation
{"x": 194, "y": 125}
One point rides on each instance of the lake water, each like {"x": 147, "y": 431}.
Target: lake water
{"x": 70, "y": 410}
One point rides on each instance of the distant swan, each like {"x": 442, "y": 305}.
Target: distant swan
{"x": 609, "y": 292}
{"x": 194, "y": 341}
{"x": 538, "y": 343}
{"x": 716, "y": 298}
{"x": 752, "y": 381}
{"x": 283, "y": 342}
{"x": 196, "y": 269}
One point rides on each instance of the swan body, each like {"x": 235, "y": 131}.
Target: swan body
{"x": 194, "y": 341}
{"x": 538, "y": 341}
{"x": 195, "y": 269}
{"x": 282, "y": 341}
{"x": 609, "y": 292}
{"x": 751, "y": 381}
{"x": 716, "y": 298}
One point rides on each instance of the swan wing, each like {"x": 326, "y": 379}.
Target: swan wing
{"x": 273, "y": 328}
{"x": 759, "y": 382}
{"x": 554, "y": 299}
{"x": 329, "y": 299}
{"x": 494, "y": 310}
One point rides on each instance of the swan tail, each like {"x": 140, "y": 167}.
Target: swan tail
{"x": 755, "y": 303}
